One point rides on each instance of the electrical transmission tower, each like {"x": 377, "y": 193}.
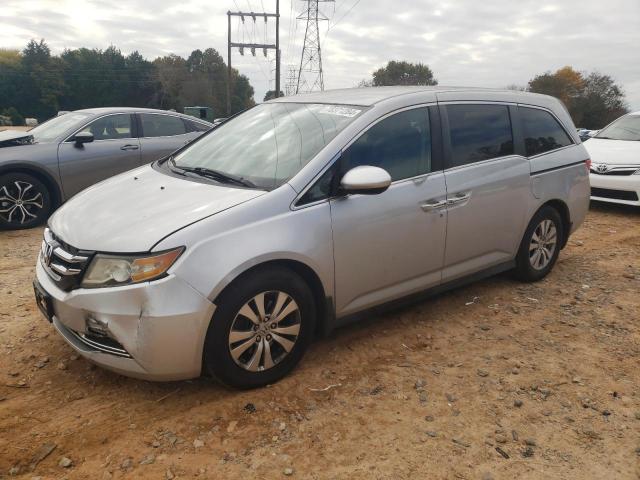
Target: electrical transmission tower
{"x": 310, "y": 75}
{"x": 292, "y": 81}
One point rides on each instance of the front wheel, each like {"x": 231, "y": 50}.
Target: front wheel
{"x": 540, "y": 246}
{"x": 263, "y": 324}
{"x": 25, "y": 201}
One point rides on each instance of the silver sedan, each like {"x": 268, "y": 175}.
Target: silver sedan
{"x": 45, "y": 166}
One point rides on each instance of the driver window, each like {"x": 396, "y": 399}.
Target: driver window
{"x": 400, "y": 144}
{"x": 110, "y": 127}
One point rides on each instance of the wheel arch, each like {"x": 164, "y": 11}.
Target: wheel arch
{"x": 562, "y": 208}
{"x": 324, "y": 303}
{"x": 41, "y": 174}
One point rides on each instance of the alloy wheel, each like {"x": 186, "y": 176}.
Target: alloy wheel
{"x": 264, "y": 331}
{"x": 20, "y": 202}
{"x": 543, "y": 244}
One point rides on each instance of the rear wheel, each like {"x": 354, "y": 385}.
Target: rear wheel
{"x": 264, "y": 322}
{"x": 540, "y": 246}
{"x": 25, "y": 201}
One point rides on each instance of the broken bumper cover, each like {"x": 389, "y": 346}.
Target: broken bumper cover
{"x": 156, "y": 330}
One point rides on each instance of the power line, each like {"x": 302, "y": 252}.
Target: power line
{"x": 342, "y": 17}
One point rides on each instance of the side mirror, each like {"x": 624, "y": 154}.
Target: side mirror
{"x": 82, "y": 138}
{"x": 366, "y": 180}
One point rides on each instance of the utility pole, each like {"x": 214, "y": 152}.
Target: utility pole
{"x": 277, "y": 48}
{"x": 310, "y": 74}
{"x": 253, "y": 46}
{"x": 229, "y": 65}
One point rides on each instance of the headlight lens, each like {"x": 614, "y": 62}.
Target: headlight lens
{"x": 111, "y": 270}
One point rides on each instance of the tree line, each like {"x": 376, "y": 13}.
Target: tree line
{"x": 592, "y": 98}
{"x": 35, "y": 83}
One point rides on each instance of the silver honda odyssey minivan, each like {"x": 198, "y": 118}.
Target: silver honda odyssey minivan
{"x": 289, "y": 220}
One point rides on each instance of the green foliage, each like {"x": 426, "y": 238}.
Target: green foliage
{"x": 403, "y": 73}
{"x": 39, "y": 84}
{"x": 271, "y": 94}
{"x": 14, "y": 116}
{"x": 593, "y": 99}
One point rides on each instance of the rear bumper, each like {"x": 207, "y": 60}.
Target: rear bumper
{"x": 156, "y": 329}
{"x": 624, "y": 190}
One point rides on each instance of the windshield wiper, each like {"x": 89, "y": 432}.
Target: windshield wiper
{"x": 216, "y": 175}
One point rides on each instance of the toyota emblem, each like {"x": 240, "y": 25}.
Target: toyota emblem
{"x": 602, "y": 168}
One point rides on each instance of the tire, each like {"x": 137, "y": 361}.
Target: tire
{"x": 25, "y": 201}
{"x": 242, "y": 370}
{"x": 536, "y": 258}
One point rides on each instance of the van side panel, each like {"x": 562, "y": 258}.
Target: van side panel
{"x": 562, "y": 175}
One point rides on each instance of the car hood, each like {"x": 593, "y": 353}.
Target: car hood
{"x": 614, "y": 152}
{"x": 13, "y": 138}
{"x": 134, "y": 210}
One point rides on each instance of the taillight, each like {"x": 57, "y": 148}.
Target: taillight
{"x": 587, "y": 163}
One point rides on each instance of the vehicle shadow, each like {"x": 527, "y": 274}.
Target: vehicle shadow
{"x": 614, "y": 208}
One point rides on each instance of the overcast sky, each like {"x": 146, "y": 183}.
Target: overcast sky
{"x": 489, "y": 43}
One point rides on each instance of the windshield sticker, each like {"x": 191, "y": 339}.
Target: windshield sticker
{"x": 340, "y": 111}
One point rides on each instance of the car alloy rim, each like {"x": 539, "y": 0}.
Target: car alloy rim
{"x": 20, "y": 202}
{"x": 543, "y": 244}
{"x": 264, "y": 331}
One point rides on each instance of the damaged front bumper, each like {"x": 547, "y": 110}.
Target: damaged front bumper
{"x": 153, "y": 330}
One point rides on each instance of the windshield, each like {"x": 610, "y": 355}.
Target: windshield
{"x": 625, "y": 128}
{"x": 52, "y": 129}
{"x": 270, "y": 143}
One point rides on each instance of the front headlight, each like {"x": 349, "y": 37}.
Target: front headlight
{"x": 111, "y": 270}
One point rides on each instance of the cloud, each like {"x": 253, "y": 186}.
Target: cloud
{"x": 465, "y": 42}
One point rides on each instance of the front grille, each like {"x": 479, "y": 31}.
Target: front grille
{"x": 614, "y": 194}
{"x": 64, "y": 263}
{"x": 617, "y": 171}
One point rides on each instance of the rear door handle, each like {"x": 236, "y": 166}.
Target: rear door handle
{"x": 129, "y": 147}
{"x": 430, "y": 206}
{"x": 459, "y": 198}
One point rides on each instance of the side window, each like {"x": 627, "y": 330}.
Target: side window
{"x": 542, "y": 132}
{"x": 479, "y": 132}
{"x": 401, "y": 144}
{"x": 196, "y": 126}
{"x": 110, "y": 127}
{"x": 322, "y": 188}
{"x": 161, "y": 125}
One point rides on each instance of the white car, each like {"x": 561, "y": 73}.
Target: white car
{"x": 615, "y": 161}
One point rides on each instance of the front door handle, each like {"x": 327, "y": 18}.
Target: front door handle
{"x": 129, "y": 147}
{"x": 431, "y": 206}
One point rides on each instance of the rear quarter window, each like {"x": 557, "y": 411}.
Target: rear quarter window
{"x": 542, "y": 132}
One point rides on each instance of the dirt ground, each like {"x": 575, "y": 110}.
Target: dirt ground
{"x": 495, "y": 380}
{"x": 15, "y": 128}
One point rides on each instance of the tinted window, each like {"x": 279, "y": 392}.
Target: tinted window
{"x": 110, "y": 127}
{"x": 401, "y": 144}
{"x": 197, "y": 126}
{"x": 162, "y": 125}
{"x": 479, "y": 132}
{"x": 542, "y": 132}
